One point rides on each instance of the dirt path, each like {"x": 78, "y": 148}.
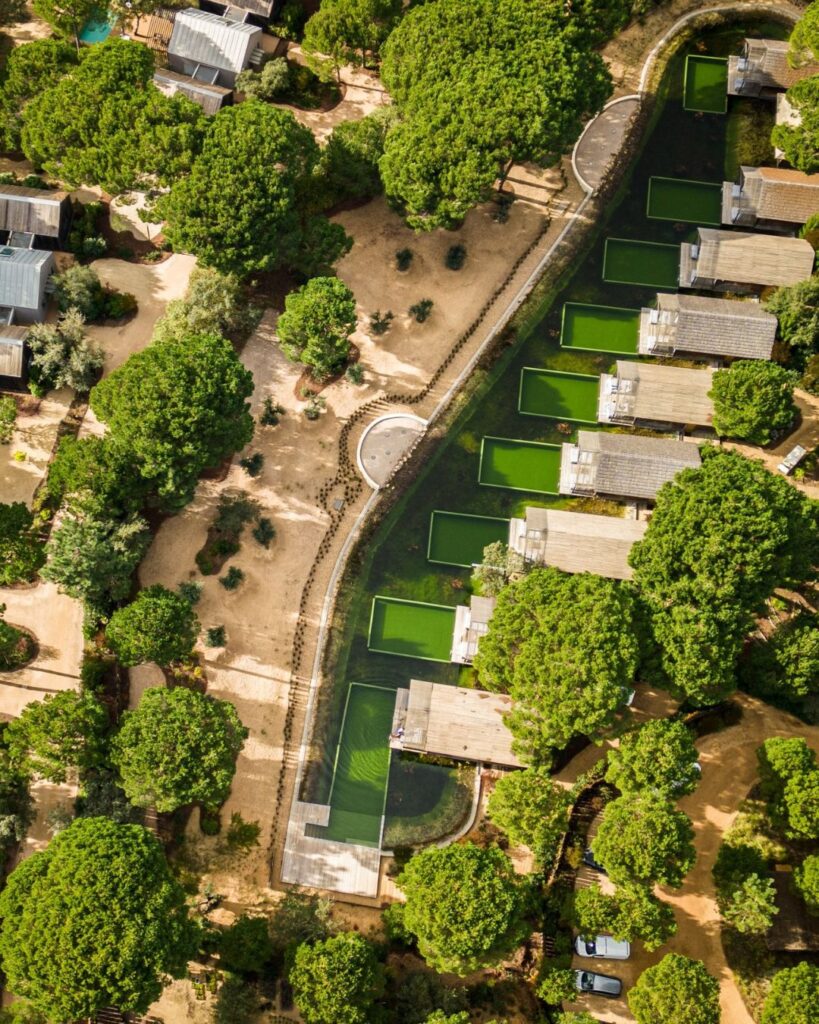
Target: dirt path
{"x": 728, "y": 761}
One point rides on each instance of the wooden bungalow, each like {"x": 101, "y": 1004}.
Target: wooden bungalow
{"x": 452, "y": 721}
{"x": 211, "y": 98}
{"x": 33, "y": 216}
{"x": 622, "y": 465}
{"x": 763, "y": 69}
{"x": 12, "y": 355}
{"x": 702, "y": 325}
{"x": 738, "y": 260}
{"x": 652, "y": 393}
{"x": 770, "y": 197}
{"x": 576, "y": 541}
{"x": 471, "y": 624}
{"x": 212, "y": 49}
{"x": 24, "y": 275}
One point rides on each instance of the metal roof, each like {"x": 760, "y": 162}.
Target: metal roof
{"x": 33, "y": 210}
{"x": 736, "y": 328}
{"x": 204, "y": 38}
{"x": 628, "y": 465}
{"x": 23, "y": 276}
{"x": 211, "y": 98}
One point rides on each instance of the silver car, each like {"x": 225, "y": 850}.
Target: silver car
{"x": 602, "y": 946}
{"x": 598, "y": 984}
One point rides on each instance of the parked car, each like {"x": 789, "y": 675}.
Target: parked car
{"x": 598, "y": 984}
{"x": 602, "y": 946}
{"x": 590, "y": 862}
{"x": 792, "y": 459}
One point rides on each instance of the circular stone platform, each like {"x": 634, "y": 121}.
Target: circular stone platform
{"x": 601, "y": 141}
{"x": 384, "y": 444}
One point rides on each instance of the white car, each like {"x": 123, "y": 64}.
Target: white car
{"x": 602, "y": 946}
{"x": 792, "y": 459}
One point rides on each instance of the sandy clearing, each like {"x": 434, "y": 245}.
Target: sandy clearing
{"x": 154, "y": 285}
{"x": 49, "y": 797}
{"x": 56, "y": 621}
{"x": 728, "y": 761}
{"x": 34, "y": 436}
{"x": 363, "y": 93}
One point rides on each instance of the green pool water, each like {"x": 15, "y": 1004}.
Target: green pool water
{"x": 589, "y": 328}
{"x": 698, "y": 202}
{"x": 458, "y": 539}
{"x": 652, "y": 264}
{"x": 706, "y": 84}
{"x": 362, "y": 767}
{"x": 558, "y": 395}
{"x": 411, "y": 629}
{"x": 520, "y": 465}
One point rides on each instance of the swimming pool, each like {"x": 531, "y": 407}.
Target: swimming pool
{"x": 97, "y": 28}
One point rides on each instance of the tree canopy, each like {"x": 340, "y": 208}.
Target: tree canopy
{"x": 316, "y": 325}
{"x": 676, "y": 989}
{"x": 787, "y": 664}
{"x": 643, "y": 839}
{"x": 214, "y": 304}
{"x": 478, "y": 83}
{"x": 721, "y": 538}
{"x": 464, "y": 906}
{"x": 177, "y": 408}
{"x": 105, "y": 122}
{"x": 796, "y": 307}
{"x": 633, "y": 912}
{"x": 805, "y": 37}
{"x": 94, "y": 559}
{"x": 751, "y": 906}
{"x": 565, "y": 649}
{"x": 158, "y": 625}
{"x": 21, "y": 550}
{"x": 793, "y": 996}
{"x": 94, "y": 476}
{"x": 806, "y": 880}
{"x": 532, "y": 810}
{"x": 57, "y": 735}
{"x": 800, "y": 142}
{"x": 336, "y": 981}
{"x": 349, "y": 161}
{"x": 753, "y": 400}
{"x": 659, "y": 756}
{"x": 789, "y": 782}
{"x": 95, "y": 920}
{"x": 30, "y": 69}
{"x": 244, "y": 207}
{"x": 246, "y": 946}
{"x": 178, "y": 747}
{"x": 350, "y": 31}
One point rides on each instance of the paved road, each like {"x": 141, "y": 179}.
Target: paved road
{"x": 729, "y": 771}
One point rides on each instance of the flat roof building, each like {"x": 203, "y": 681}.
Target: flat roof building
{"x": 736, "y": 260}
{"x": 24, "y": 274}
{"x": 451, "y": 721}
{"x": 645, "y": 393}
{"x": 763, "y": 69}
{"x": 210, "y": 48}
{"x": 769, "y": 197}
{"x": 576, "y": 541}
{"x": 622, "y": 465}
{"x": 706, "y": 326}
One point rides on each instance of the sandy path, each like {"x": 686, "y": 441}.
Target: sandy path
{"x": 34, "y": 436}
{"x": 728, "y": 761}
{"x": 363, "y": 93}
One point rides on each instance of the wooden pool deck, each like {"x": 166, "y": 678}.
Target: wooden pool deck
{"x": 324, "y": 863}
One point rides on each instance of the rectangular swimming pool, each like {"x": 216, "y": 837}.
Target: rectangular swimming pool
{"x": 590, "y": 328}
{"x": 97, "y": 28}
{"x": 651, "y": 264}
{"x": 411, "y": 629}
{"x": 558, "y": 395}
{"x": 459, "y": 539}
{"x": 519, "y": 465}
{"x": 706, "y": 84}
{"x": 698, "y": 202}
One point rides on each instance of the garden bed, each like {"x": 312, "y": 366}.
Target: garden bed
{"x": 18, "y": 647}
{"x": 459, "y": 539}
{"x": 519, "y": 465}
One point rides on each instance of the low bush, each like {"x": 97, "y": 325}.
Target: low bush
{"x": 403, "y": 259}
{"x": 8, "y": 416}
{"x": 264, "y": 532}
{"x": 455, "y": 257}
{"x": 252, "y": 464}
{"x": 215, "y": 636}
{"x": 232, "y": 578}
{"x": 421, "y": 310}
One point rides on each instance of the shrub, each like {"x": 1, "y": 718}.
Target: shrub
{"x": 806, "y": 880}
{"x": 245, "y": 946}
{"x": 380, "y": 322}
{"x": 8, "y": 415}
{"x": 455, "y": 257}
{"x": 16, "y": 646}
{"x": 241, "y": 834}
{"x": 421, "y": 310}
{"x": 21, "y": 550}
{"x": 252, "y": 464}
{"x": 316, "y": 404}
{"x": 62, "y": 355}
{"x": 271, "y": 411}
{"x": 215, "y": 636}
{"x": 355, "y": 373}
{"x": 233, "y": 512}
{"x": 267, "y": 84}
{"x": 191, "y": 590}
{"x": 264, "y": 532}
{"x": 403, "y": 259}
{"x": 119, "y": 304}
{"x": 80, "y": 288}
{"x": 232, "y": 578}
{"x": 555, "y": 985}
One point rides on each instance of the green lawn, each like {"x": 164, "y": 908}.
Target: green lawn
{"x": 651, "y": 264}
{"x": 706, "y": 84}
{"x": 699, "y": 202}
{"x": 558, "y": 395}
{"x": 458, "y": 539}
{"x": 411, "y": 629}
{"x": 520, "y": 465}
{"x": 362, "y": 766}
{"x": 599, "y": 328}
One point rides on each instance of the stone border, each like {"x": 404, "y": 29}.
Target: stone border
{"x": 620, "y": 99}
{"x": 377, "y": 422}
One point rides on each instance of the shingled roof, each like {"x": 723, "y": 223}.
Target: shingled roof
{"x": 655, "y": 393}
{"x": 577, "y": 541}
{"x": 742, "y": 257}
{"x": 771, "y": 193}
{"x": 764, "y": 66}
{"x": 707, "y": 326}
{"x": 625, "y": 465}
{"x": 34, "y": 211}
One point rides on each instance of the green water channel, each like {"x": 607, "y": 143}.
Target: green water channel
{"x": 706, "y": 84}
{"x": 411, "y": 629}
{"x": 652, "y": 264}
{"x": 557, "y": 395}
{"x": 589, "y": 328}
{"x": 459, "y": 540}
{"x": 394, "y": 563}
{"x": 697, "y": 202}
